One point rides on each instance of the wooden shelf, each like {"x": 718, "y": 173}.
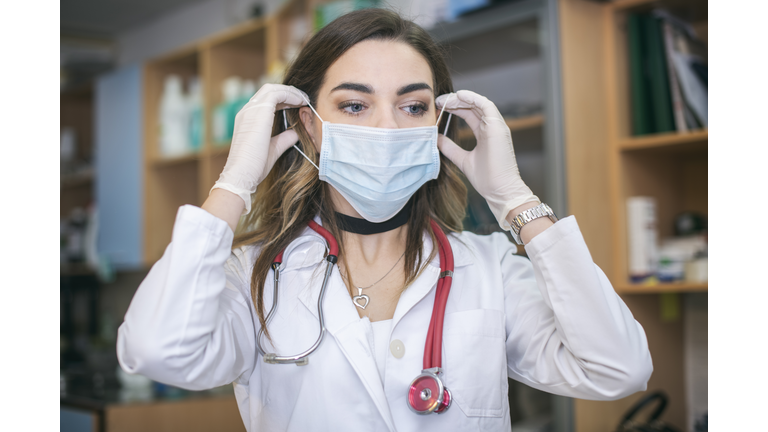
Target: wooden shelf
{"x": 667, "y": 141}
{"x": 628, "y": 4}
{"x": 76, "y": 180}
{"x": 514, "y": 124}
{"x": 662, "y": 288}
{"x": 176, "y": 160}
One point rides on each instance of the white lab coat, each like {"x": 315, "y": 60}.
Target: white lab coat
{"x": 552, "y": 322}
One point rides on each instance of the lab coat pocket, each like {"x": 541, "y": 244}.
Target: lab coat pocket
{"x": 474, "y": 361}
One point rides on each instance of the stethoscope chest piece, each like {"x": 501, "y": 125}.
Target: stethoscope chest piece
{"x": 427, "y": 394}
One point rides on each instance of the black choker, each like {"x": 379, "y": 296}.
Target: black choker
{"x": 362, "y": 226}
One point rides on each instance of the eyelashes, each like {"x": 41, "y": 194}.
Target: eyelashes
{"x": 354, "y": 108}
{"x": 422, "y": 107}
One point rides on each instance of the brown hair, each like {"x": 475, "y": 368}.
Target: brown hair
{"x": 292, "y": 194}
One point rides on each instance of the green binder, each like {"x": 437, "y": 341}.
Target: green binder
{"x": 663, "y": 118}
{"x": 639, "y": 94}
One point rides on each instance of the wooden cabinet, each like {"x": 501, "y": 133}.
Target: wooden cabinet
{"x": 605, "y": 165}
{"x": 247, "y": 51}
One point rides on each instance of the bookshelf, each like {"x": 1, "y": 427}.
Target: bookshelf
{"x": 606, "y": 164}
{"x": 245, "y": 50}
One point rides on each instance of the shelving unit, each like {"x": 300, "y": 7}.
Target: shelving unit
{"x": 76, "y": 189}
{"x": 606, "y": 165}
{"x": 246, "y": 51}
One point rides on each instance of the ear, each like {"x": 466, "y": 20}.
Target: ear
{"x": 307, "y": 118}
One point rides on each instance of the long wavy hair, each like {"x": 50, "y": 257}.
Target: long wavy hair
{"x": 292, "y": 194}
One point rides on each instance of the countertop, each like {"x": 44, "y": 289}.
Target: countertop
{"x": 94, "y": 392}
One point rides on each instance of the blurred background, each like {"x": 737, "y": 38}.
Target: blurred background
{"x": 606, "y": 101}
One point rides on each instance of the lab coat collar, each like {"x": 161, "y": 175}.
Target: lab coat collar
{"x": 342, "y": 321}
{"x": 310, "y": 248}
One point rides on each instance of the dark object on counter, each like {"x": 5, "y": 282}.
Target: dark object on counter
{"x": 702, "y": 424}
{"x": 690, "y": 223}
{"x": 652, "y": 423}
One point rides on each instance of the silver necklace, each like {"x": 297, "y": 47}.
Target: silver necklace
{"x": 360, "y": 296}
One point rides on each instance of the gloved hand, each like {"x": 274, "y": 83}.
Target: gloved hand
{"x": 491, "y": 166}
{"x": 253, "y": 153}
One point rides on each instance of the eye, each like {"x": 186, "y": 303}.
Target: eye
{"x": 416, "y": 110}
{"x": 351, "y": 107}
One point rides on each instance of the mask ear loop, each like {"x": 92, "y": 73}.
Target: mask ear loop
{"x": 285, "y": 123}
{"x": 447, "y": 122}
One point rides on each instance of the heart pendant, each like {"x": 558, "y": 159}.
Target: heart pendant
{"x": 357, "y": 300}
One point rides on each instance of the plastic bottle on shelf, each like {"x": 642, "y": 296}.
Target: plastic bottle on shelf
{"x": 174, "y": 118}
{"x": 224, "y": 115}
{"x": 246, "y": 93}
{"x": 196, "y": 123}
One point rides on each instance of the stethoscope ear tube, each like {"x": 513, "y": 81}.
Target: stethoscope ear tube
{"x": 303, "y": 358}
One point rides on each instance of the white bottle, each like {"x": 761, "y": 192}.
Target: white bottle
{"x": 642, "y": 237}
{"x": 196, "y": 122}
{"x": 223, "y": 115}
{"x": 174, "y": 119}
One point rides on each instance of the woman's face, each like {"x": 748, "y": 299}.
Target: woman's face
{"x": 383, "y": 84}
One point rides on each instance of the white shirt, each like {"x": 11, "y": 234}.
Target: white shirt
{"x": 552, "y": 322}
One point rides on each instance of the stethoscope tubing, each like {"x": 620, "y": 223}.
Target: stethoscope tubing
{"x": 302, "y": 358}
{"x": 433, "y": 352}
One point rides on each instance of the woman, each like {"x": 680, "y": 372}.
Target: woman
{"x": 362, "y": 99}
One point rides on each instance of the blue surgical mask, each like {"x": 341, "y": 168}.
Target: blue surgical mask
{"x": 377, "y": 169}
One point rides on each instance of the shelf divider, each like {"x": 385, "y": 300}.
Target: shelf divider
{"x": 672, "y": 139}
{"x": 667, "y": 287}
{"x": 514, "y": 124}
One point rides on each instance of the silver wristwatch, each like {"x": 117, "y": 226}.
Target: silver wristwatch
{"x": 526, "y": 216}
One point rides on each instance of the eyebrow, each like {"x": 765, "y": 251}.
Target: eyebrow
{"x": 413, "y": 87}
{"x": 364, "y": 88}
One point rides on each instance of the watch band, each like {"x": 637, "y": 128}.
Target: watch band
{"x": 527, "y": 216}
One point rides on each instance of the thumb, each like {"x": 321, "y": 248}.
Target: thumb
{"x": 283, "y": 142}
{"x": 453, "y": 152}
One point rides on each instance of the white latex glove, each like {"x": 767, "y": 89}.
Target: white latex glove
{"x": 491, "y": 166}
{"x": 253, "y": 152}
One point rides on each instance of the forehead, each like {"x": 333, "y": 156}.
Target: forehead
{"x": 384, "y": 65}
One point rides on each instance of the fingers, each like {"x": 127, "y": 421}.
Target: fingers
{"x": 453, "y": 152}
{"x": 283, "y": 142}
{"x": 280, "y": 96}
{"x": 464, "y": 102}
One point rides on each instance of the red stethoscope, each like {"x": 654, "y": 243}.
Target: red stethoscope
{"x": 426, "y": 394}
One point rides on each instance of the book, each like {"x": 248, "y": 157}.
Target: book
{"x": 640, "y": 102}
{"x": 687, "y": 56}
{"x": 678, "y": 105}
{"x": 658, "y": 76}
